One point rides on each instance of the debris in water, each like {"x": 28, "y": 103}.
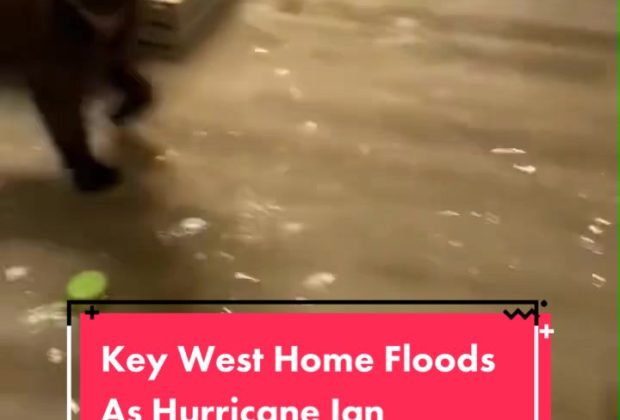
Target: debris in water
{"x": 16, "y": 273}
{"x": 226, "y": 256}
{"x": 274, "y": 207}
{"x": 226, "y": 310}
{"x": 45, "y": 313}
{"x": 245, "y": 238}
{"x": 595, "y": 229}
{"x": 260, "y": 50}
{"x": 601, "y": 221}
{"x": 201, "y": 133}
{"x": 507, "y": 151}
{"x": 599, "y": 281}
{"x": 255, "y": 220}
{"x": 296, "y": 93}
{"x": 586, "y": 239}
{"x": 310, "y": 127}
{"x": 492, "y": 218}
{"x": 200, "y": 256}
{"x": 193, "y": 225}
{"x": 474, "y": 271}
{"x": 319, "y": 281}
{"x": 301, "y": 298}
{"x": 448, "y": 213}
{"x": 169, "y": 153}
{"x": 55, "y": 355}
{"x": 514, "y": 264}
{"x": 172, "y": 153}
{"x": 243, "y": 276}
{"x": 234, "y": 133}
{"x": 164, "y": 237}
{"x": 293, "y": 227}
{"x": 591, "y": 245}
{"x": 456, "y": 244}
{"x": 281, "y": 72}
{"x": 475, "y": 214}
{"x": 364, "y": 149}
{"x": 402, "y": 39}
{"x": 528, "y": 169}
{"x": 246, "y": 215}
{"x": 405, "y": 22}
{"x": 190, "y": 226}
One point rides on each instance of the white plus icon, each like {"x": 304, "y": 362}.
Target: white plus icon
{"x": 546, "y": 331}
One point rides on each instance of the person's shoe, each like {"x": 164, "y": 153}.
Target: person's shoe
{"x": 95, "y": 177}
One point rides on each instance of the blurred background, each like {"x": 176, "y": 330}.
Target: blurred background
{"x": 336, "y": 149}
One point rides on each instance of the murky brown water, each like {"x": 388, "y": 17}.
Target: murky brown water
{"x": 354, "y": 150}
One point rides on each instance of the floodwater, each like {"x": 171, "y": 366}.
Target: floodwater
{"x": 342, "y": 149}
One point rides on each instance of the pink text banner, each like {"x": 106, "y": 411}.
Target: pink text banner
{"x": 334, "y": 366}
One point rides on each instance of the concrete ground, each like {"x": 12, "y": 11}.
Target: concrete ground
{"x": 357, "y": 139}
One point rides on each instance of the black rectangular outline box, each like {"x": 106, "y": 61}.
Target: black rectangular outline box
{"x": 533, "y": 312}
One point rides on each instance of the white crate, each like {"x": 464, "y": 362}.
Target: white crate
{"x": 172, "y": 23}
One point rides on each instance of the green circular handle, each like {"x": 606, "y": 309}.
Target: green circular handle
{"x": 87, "y": 285}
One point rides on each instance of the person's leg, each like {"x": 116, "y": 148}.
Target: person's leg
{"x": 59, "y": 101}
{"x": 136, "y": 90}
